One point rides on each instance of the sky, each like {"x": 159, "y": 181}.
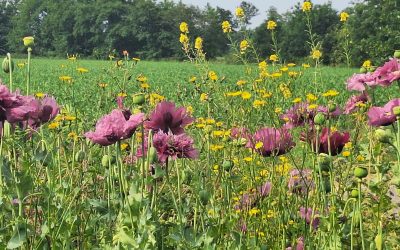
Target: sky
{"x": 263, "y": 5}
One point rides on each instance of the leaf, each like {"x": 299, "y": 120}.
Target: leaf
{"x": 18, "y": 239}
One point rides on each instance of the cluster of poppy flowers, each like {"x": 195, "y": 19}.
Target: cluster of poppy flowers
{"x": 166, "y": 123}
{"x": 25, "y": 111}
{"x": 383, "y": 76}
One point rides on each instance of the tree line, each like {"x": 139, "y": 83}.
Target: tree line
{"x": 149, "y": 29}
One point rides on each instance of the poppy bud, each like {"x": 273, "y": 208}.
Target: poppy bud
{"x": 319, "y": 119}
{"x": 80, "y": 156}
{"x": 332, "y": 107}
{"x": 360, "y": 172}
{"x": 354, "y": 193}
{"x": 383, "y": 135}
{"x": 106, "y": 159}
{"x": 138, "y": 99}
{"x": 204, "y": 197}
{"x": 227, "y": 165}
{"x": 396, "y": 54}
{"x": 363, "y": 70}
{"x": 153, "y": 155}
{"x": 28, "y": 41}
{"x": 6, "y": 65}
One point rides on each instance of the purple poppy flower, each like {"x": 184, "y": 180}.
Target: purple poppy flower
{"x": 388, "y": 73}
{"x": 273, "y": 142}
{"x": 383, "y": 116}
{"x": 328, "y": 142}
{"x": 45, "y": 111}
{"x": 168, "y": 118}
{"x": 359, "y": 81}
{"x": 116, "y": 126}
{"x": 353, "y": 102}
{"x": 174, "y": 146}
{"x": 300, "y": 181}
{"x": 310, "y": 216}
{"x": 22, "y": 109}
{"x": 265, "y": 189}
{"x": 239, "y": 132}
{"x": 323, "y": 109}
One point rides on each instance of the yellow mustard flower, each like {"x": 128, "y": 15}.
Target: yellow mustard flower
{"x": 344, "y": 16}
{"x": 184, "y": 27}
{"x": 198, "y": 43}
{"x": 239, "y": 12}
{"x": 226, "y": 27}
{"x": 307, "y": 6}
{"x": 316, "y": 54}
{"x": 213, "y": 76}
{"x": 273, "y": 58}
{"x": 271, "y": 25}
{"x": 203, "y": 97}
{"x": 246, "y": 95}
{"x": 243, "y": 46}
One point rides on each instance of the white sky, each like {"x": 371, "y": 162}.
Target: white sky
{"x": 263, "y": 5}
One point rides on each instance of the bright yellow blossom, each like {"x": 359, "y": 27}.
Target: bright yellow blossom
{"x": 239, "y": 13}
{"x": 184, "y": 27}
{"x": 226, "y": 27}
{"x": 213, "y": 76}
{"x": 271, "y": 25}
{"x": 246, "y": 95}
{"x": 344, "y": 16}
{"x": 330, "y": 93}
{"x": 258, "y": 103}
{"x": 198, "y": 44}
{"x": 243, "y": 46}
{"x": 203, "y": 97}
{"x": 316, "y": 54}
{"x": 307, "y": 6}
{"x": 273, "y": 58}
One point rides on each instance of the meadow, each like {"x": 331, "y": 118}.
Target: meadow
{"x": 261, "y": 154}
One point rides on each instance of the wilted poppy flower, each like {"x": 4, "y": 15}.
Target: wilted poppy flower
{"x": 353, "y": 102}
{"x": 22, "y": 109}
{"x": 116, "y": 126}
{"x": 298, "y": 115}
{"x": 271, "y": 141}
{"x": 168, "y": 118}
{"x": 310, "y": 216}
{"x": 300, "y": 181}
{"x": 383, "y": 116}
{"x": 45, "y": 111}
{"x": 388, "y": 73}
{"x": 174, "y": 146}
{"x": 328, "y": 141}
{"x": 359, "y": 81}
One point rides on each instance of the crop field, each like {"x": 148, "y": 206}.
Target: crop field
{"x": 258, "y": 154}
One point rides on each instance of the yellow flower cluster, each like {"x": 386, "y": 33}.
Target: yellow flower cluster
{"x": 226, "y": 27}
{"x": 307, "y": 6}
{"x": 273, "y": 58}
{"x": 271, "y": 25}
{"x": 243, "y": 46}
{"x": 184, "y": 39}
{"x": 316, "y": 54}
{"x": 239, "y": 13}
{"x": 344, "y": 16}
{"x": 198, "y": 44}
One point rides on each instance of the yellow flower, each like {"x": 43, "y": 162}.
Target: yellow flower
{"x": 141, "y": 78}
{"x": 284, "y": 69}
{"x": 203, "y": 97}
{"x": 21, "y": 65}
{"x": 248, "y": 159}
{"x": 239, "y": 12}
{"x": 262, "y": 65}
{"x": 307, "y": 6}
{"x": 155, "y": 98}
{"x": 210, "y": 121}
{"x": 316, "y": 54}
{"x": 237, "y": 93}
{"x": 214, "y": 147}
{"x": 360, "y": 158}
{"x": 273, "y": 58}
{"x": 54, "y": 125}
{"x": 226, "y": 27}
{"x": 367, "y": 64}
{"x": 311, "y": 97}
{"x": 192, "y": 79}
{"x": 189, "y": 110}
{"x": 28, "y": 41}
{"x": 39, "y": 95}
{"x": 103, "y": 85}
{"x": 73, "y": 136}
{"x": 122, "y": 94}
{"x": 213, "y": 76}
{"x": 241, "y": 82}
{"x": 69, "y": 118}
{"x": 258, "y": 103}
{"x": 259, "y": 145}
{"x": 65, "y": 78}
{"x": 346, "y": 153}
{"x": 293, "y": 74}
{"x": 297, "y": 100}
{"x": 246, "y": 95}
{"x": 144, "y": 85}
{"x": 278, "y": 110}
{"x": 305, "y": 65}
{"x": 82, "y": 70}
{"x": 124, "y": 146}
{"x": 243, "y": 46}
{"x": 254, "y": 211}
{"x": 344, "y": 16}
{"x": 291, "y": 64}
{"x": 198, "y": 44}
{"x": 271, "y": 25}
{"x": 330, "y": 93}
{"x": 312, "y": 106}
{"x": 184, "y": 39}
{"x": 184, "y": 27}
{"x": 136, "y": 59}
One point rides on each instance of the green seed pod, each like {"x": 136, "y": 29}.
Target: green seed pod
{"x": 80, "y": 156}
{"x": 227, "y": 165}
{"x": 204, "y": 197}
{"x": 383, "y": 135}
{"x": 319, "y": 119}
{"x": 378, "y": 241}
{"x": 363, "y": 70}
{"x": 354, "y": 193}
{"x": 360, "y": 172}
{"x": 397, "y": 54}
{"x": 138, "y": 99}
{"x": 6, "y": 65}
{"x": 106, "y": 159}
{"x": 332, "y": 107}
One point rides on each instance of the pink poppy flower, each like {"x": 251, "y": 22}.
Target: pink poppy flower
{"x": 168, "y": 118}
{"x": 174, "y": 146}
{"x": 383, "y": 116}
{"x": 271, "y": 141}
{"x": 388, "y": 73}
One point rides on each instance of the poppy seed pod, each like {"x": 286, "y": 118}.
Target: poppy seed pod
{"x": 319, "y": 119}
{"x": 138, "y": 99}
{"x": 6, "y": 65}
{"x": 397, "y": 54}
{"x": 383, "y": 135}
